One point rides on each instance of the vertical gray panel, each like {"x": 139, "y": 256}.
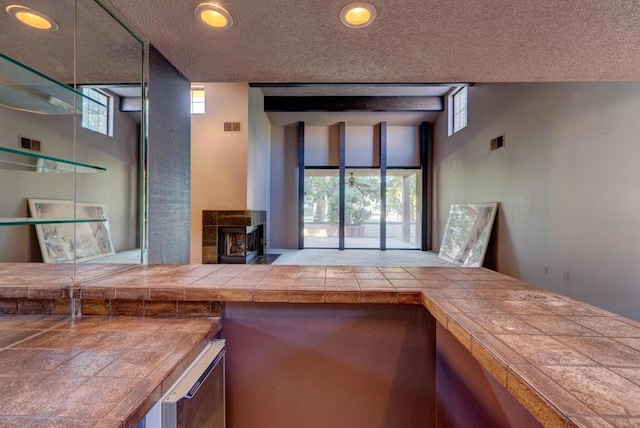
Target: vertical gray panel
{"x": 300, "y": 185}
{"x": 383, "y": 185}
{"x": 169, "y": 176}
{"x": 342, "y": 127}
{"x": 426, "y": 161}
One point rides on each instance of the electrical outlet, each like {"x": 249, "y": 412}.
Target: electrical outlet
{"x": 565, "y": 276}
{"x": 546, "y": 270}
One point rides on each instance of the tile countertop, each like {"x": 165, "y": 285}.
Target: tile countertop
{"x": 569, "y": 363}
{"x": 94, "y": 371}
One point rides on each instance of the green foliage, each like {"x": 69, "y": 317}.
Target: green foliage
{"x": 362, "y": 199}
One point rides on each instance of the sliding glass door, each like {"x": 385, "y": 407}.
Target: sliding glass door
{"x": 362, "y": 208}
{"x": 403, "y": 205}
{"x": 321, "y": 208}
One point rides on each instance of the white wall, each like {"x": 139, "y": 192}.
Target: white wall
{"x": 116, "y": 188}
{"x": 258, "y": 153}
{"x": 567, "y": 181}
{"x": 219, "y": 160}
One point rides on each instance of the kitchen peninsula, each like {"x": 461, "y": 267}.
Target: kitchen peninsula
{"x": 566, "y": 362}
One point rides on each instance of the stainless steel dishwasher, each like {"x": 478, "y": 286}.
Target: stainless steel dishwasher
{"x": 196, "y": 400}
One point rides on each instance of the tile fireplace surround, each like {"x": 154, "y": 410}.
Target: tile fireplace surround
{"x": 216, "y": 223}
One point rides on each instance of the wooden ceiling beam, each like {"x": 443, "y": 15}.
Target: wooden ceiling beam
{"x": 353, "y": 103}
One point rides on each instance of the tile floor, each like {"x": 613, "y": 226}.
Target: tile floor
{"x": 332, "y": 257}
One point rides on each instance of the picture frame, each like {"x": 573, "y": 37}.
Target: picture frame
{"x": 467, "y": 233}
{"x": 57, "y": 244}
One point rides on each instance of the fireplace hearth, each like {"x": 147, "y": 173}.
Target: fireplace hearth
{"x": 233, "y": 236}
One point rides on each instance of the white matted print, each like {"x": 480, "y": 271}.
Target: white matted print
{"x": 467, "y": 233}
{"x": 92, "y": 239}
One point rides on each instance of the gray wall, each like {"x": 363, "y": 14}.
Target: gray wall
{"x": 283, "y": 202}
{"x": 567, "y": 181}
{"x": 116, "y": 188}
{"x": 169, "y": 162}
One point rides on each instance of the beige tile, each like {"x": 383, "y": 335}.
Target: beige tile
{"x": 521, "y": 307}
{"x": 34, "y": 306}
{"x": 94, "y": 398}
{"x": 504, "y": 324}
{"x": 538, "y": 350}
{"x": 61, "y": 306}
{"x": 341, "y": 296}
{"x": 96, "y": 306}
{"x": 197, "y": 308}
{"x": 199, "y": 293}
{"x": 607, "y": 326}
{"x": 406, "y": 283}
{"x": 308, "y": 296}
{"x": 600, "y": 389}
{"x": 370, "y": 276}
{"x": 13, "y": 292}
{"x": 378, "y": 284}
{"x": 556, "y": 325}
{"x": 408, "y": 297}
{"x": 267, "y": 295}
{"x": 127, "y": 307}
{"x": 8, "y": 306}
{"x": 398, "y": 275}
{"x": 165, "y": 308}
{"x": 127, "y": 292}
{"x": 341, "y": 283}
{"x": 236, "y": 295}
{"x": 604, "y": 351}
{"x": 538, "y": 393}
{"x": 172, "y": 293}
{"x": 375, "y": 296}
{"x": 91, "y": 292}
{"x": 88, "y": 363}
{"x": 476, "y": 306}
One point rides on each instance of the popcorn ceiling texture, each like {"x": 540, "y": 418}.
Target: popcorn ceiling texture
{"x": 410, "y": 41}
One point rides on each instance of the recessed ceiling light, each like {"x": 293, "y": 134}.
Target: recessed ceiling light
{"x": 213, "y": 15}
{"x": 31, "y": 17}
{"x": 358, "y": 14}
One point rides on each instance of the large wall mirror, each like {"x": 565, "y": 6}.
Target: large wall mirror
{"x": 72, "y": 139}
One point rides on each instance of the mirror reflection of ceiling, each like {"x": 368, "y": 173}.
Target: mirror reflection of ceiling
{"x": 409, "y": 41}
{"x": 107, "y": 53}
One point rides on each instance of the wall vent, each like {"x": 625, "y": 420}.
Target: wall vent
{"x": 497, "y": 142}
{"x": 232, "y": 127}
{"x": 29, "y": 144}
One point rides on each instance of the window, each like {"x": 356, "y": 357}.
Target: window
{"x": 457, "y": 110}
{"x": 96, "y": 111}
{"x": 197, "y": 100}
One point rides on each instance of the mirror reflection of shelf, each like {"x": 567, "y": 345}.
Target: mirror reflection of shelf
{"x": 26, "y": 221}
{"x": 33, "y": 161}
{"x": 24, "y": 89}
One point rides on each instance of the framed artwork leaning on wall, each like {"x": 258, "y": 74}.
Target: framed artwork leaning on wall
{"x": 71, "y": 236}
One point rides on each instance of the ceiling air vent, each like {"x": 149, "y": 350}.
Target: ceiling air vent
{"x": 232, "y": 127}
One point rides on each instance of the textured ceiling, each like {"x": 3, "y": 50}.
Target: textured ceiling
{"x": 410, "y": 40}
{"x": 106, "y": 52}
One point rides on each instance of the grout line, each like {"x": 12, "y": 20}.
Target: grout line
{"x": 36, "y": 334}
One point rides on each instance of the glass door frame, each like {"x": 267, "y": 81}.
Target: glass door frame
{"x": 426, "y": 168}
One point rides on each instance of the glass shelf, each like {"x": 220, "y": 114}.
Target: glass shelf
{"x": 24, "y": 89}
{"x": 31, "y": 221}
{"x": 33, "y": 161}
